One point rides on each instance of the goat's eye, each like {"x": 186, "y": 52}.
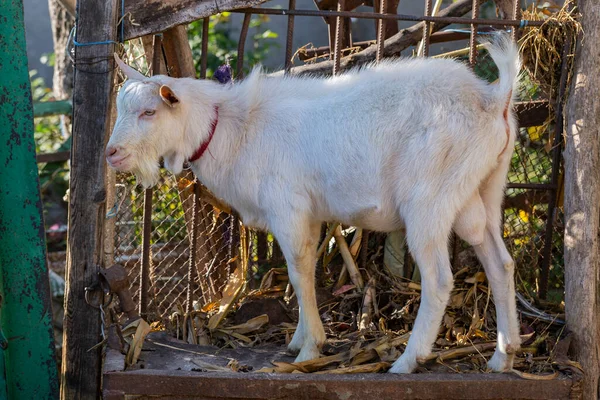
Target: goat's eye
{"x": 149, "y": 113}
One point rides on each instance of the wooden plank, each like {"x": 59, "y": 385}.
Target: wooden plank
{"x": 92, "y": 98}
{"x": 58, "y": 156}
{"x": 152, "y": 16}
{"x": 49, "y": 108}
{"x": 173, "y": 384}
{"x": 582, "y": 196}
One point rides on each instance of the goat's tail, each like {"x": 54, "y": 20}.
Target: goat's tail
{"x": 505, "y": 54}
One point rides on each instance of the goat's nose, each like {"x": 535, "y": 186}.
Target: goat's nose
{"x": 111, "y": 151}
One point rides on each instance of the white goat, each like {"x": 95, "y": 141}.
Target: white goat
{"x": 419, "y": 143}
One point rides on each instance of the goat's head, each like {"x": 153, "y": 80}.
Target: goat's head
{"x": 150, "y": 124}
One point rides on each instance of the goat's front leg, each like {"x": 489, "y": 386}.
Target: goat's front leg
{"x": 298, "y": 241}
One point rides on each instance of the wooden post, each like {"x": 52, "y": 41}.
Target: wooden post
{"x": 582, "y": 200}
{"x": 92, "y": 98}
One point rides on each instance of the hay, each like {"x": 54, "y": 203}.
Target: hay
{"x": 542, "y": 46}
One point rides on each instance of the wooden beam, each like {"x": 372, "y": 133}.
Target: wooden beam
{"x": 145, "y": 17}
{"x": 58, "y": 156}
{"x": 92, "y": 98}
{"x": 582, "y": 197}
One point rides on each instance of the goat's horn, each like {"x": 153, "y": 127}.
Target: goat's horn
{"x": 129, "y": 72}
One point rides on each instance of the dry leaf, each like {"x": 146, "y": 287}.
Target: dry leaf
{"x": 230, "y": 293}
{"x": 251, "y": 325}
{"x": 477, "y": 278}
{"x": 142, "y": 329}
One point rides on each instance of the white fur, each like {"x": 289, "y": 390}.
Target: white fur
{"x": 413, "y": 143}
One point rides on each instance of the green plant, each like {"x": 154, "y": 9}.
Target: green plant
{"x": 222, "y": 46}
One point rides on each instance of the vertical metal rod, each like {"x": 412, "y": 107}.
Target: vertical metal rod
{"x": 556, "y": 156}
{"x": 473, "y": 38}
{"x": 516, "y": 15}
{"x": 380, "y": 31}
{"x": 204, "y": 57}
{"x": 289, "y": 43}
{"x": 196, "y": 199}
{"x": 339, "y": 32}
{"x": 241, "y": 44}
{"x": 145, "y": 267}
{"x": 193, "y": 250}
{"x": 427, "y": 28}
{"x": 146, "y": 260}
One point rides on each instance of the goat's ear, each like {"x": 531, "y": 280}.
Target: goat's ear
{"x": 129, "y": 72}
{"x": 167, "y": 95}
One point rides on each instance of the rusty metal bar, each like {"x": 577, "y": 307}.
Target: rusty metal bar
{"x": 381, "y": 30}
{"x": 241, "y": 43}
{"x": 473, "y": 38}
{"x": 289, "y": 43}
{"x": 396, "y": 17}
{"x": 437, "y": 37}
{"x": 427, "y": 28}
{"x": 532, "y": 186}
{"x": 556, "y": 156}
{"x": 515, "y": 16}
{"x": 204, "y": 56}
{"x": 339, "y": 31}
{"x": 197, "y": 189}
{"x": 146, "y": 257}
{"x": 193, "y": 250}
{"x": 147, "y": 216}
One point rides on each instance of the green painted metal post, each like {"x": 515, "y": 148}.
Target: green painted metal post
{"x": 28, "y": 353}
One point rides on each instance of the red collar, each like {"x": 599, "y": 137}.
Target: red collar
{"x": 200, "y": 151}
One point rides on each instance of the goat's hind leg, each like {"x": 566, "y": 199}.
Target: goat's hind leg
{"x": 428, "y": 241}
{"x": 298, "y": 241}
{"x": 478, "y": 223}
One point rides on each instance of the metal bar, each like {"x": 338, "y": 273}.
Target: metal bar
{"x": 427, "y": 28}
{"x": 50, "y": 108}
{"x": 339, "y": 31}
{"x": 556, "y": 157}
{"x": 515, "y": 16}
{"x": 289, "y": 43}
{"x": 193, "y": 250}
{"x": 396, "y": 17}
{"x": 473, "y": 37}
{"x": 533, "y": 186}
{"x": 146, "y": 260}
{"x": 27, "y": 348}
{"x": 146, "y": 257}
{"x": 241, "y": 44}
{"x": 380, "y": 31}
{"x": 204, "y": 56}
{"x": 436, "y": 37}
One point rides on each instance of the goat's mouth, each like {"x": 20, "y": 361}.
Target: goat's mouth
{"x": 118, "y": 162}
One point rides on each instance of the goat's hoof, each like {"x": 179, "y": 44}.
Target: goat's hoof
{"x": 307, "y": 353}
{"x": 403, "y": 366}
{"x": 501, "y": 362}
{"x": 292, "y": 351}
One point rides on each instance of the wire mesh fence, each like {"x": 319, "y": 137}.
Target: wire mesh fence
{"x": 534, "y": 244}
